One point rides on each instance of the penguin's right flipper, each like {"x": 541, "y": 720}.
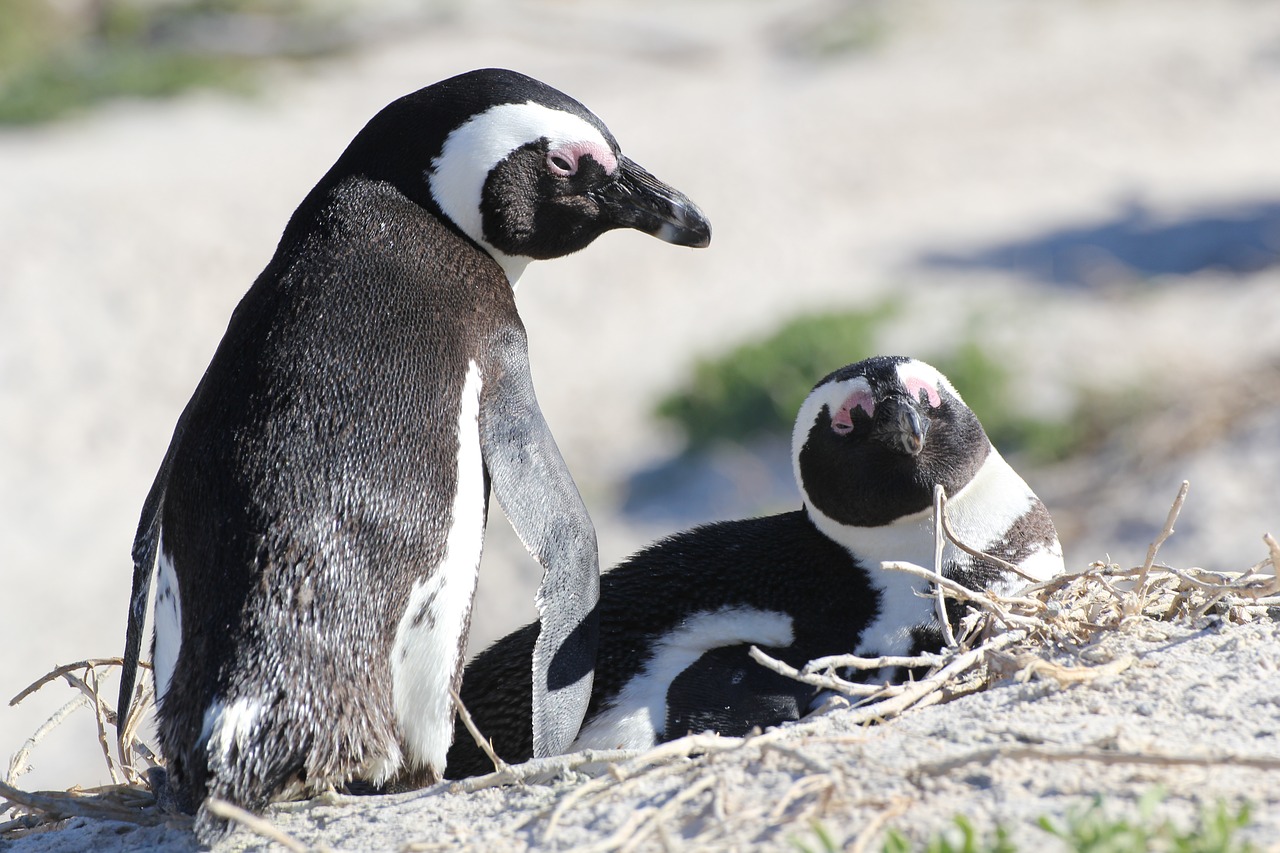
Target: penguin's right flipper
{"x": 538, "y": 495}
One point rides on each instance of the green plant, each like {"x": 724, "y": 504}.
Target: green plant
{"x": 756, "y": 388}
{"x": 56, "y": 59}
{"x": 1093, "y": 830}
{"x": 968, "y": 842}
{"x": 826, "y": 843}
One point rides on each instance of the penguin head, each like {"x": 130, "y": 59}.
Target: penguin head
{"x": 519, "y": 168}
{"x": 873, "y": 438}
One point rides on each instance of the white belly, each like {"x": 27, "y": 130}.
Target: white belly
{"x": 427, "y": 648}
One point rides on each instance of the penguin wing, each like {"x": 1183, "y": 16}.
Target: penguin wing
{"x": 144, "y": 561}
{"x": 145, "y": 545}
{"x": 533, "y": 485}
{"x": 727, "y": 692}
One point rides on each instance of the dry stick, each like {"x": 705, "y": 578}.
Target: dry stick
{"x": 900, "y": 697}
{"x": 917, "y": 690}
{"x": 20, "y": 757}
{"x": 103, "y": 717}
{"x": 127, "y": 735}
{"x": 1242, "y": 585}
{"x": 873, "y": 826}
{"x": 485, "y": 746}
{"x": 671, "y": 750}
{"x": 540, "y": 767}
{"x": 1165, "y": 533}
{"x": 819, "y": 767}
{"x": 63, "y": 805}
{"x": 982, "y": 555}
{"x": 58, "y": 673}
{"x": 984, "y": 600}
{"x": 635, "y": 831}
{"x": 1059, "y": 582}
{"x": 800, "y": 788}
{"x": 1209, "y": 602}
{"x": 1274, "y": 547}
{"x": 257, "y": 825}
{"x": 939, "y": 545}
{"x": 855, "y": 662}
{"x": 1065, "y": 675}
{"x": 827, "y": 682}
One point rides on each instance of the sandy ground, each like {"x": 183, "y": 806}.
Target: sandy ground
{"x": 1205, "y": 701}
{"x": 966, "y": 161}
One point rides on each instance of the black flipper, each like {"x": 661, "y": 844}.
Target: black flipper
{"x": 538, "y": 495}
{"x": 145, "y": 546}
{"x": 145, "y": 550}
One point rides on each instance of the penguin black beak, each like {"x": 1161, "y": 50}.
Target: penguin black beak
{"x": 901, "y": 428}
{"x": 636, "y": 199}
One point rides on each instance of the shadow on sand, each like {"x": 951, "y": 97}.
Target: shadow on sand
{"x": 1135, "y": 245}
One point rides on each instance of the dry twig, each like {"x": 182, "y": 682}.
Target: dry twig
{"x": 481, "y": 741}
{"x": 1165, "y": 533}
{"x": 939, "y": 546}
{"x": 259, "y": 826}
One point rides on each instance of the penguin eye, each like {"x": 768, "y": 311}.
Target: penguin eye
{"x": 560, "y": 164}
{"x": 861, "y": 398}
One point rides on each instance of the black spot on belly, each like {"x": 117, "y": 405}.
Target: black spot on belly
{"x": 426, "y": 613}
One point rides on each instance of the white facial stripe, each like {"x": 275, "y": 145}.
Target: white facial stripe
{"x": 832, "y": 396}
{"x": 471, "y": 151}
{"x": 168, "y": 623}
{"x": 640, "y": 710}
{"x": 424, "y": 656}
{"x": 915, "y": 375}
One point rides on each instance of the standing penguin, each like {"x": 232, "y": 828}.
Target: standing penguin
{"x": 318, "y": 518}
{"x": 678, "y": 618}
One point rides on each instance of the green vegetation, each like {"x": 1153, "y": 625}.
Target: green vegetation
{"x": 826, "y": 844}
{"x": 756, "y": 388}
{"x": 969, "y": 841}
{"x": 840, "y": 30}
{"x": 58, "y": 58}
{"x": 1093, "y": 830}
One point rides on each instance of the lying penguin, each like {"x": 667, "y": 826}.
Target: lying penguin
{"x": 678, "y": 618}
{"x": 318, "y": 518}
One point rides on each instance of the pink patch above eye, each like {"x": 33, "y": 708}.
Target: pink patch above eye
{"x": 915, "y": 385}
{"x": 842, "y": 420}
{"x": 572, "y": 152}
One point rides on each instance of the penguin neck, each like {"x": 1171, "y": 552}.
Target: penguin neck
{"x": 979, "y": 514}
{"x": 513, "y": 266}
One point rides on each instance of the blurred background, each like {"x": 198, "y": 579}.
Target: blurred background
{"x": 1071, "y": 208}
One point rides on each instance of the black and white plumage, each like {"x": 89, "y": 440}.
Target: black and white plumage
{"x": 678, "y": 618}
{"x": 318, "y": 518}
